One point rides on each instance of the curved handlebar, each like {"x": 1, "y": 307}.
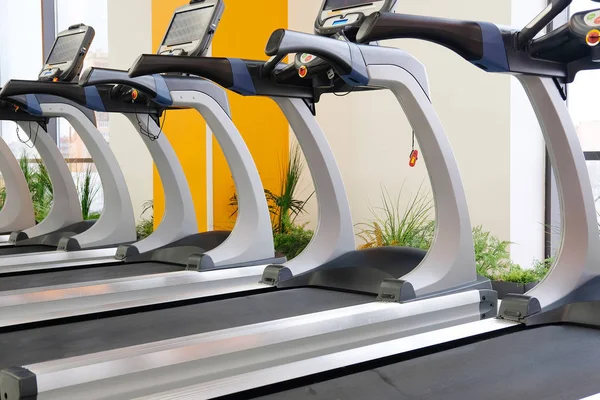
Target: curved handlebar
{"x": 541, "y": 21}
{"x": 462, "y": 37}
{"x": 104, "y": 76}
{"x": 215, "y": 69}
{"x": 336, "y": 52}
{"x": 69, "y": 91}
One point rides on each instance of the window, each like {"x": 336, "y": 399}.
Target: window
{"x": 95, "y": 14}
{"x": 20, "y": 58}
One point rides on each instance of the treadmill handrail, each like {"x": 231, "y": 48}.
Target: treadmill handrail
{"x": 88, "y": 98}
{"x": 218, "y": 70}
{"x": 146, "y": 84}
{"x": 463, "y": 37}
{"x": 69, "y": 91}
{"x": 235, "y": 74}
{"x": 337, "y": 53}
{"x": 343, "y": 56}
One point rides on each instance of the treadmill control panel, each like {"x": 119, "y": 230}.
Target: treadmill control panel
{"x": 68, "y": 53}
{"x": 192, "y": 28}
{"x": 346, "y": 16}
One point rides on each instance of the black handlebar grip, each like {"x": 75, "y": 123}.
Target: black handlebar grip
{"x": 69, "y": 91}
{"x": 462, "y": 37}
{"x": 217, "y": 70}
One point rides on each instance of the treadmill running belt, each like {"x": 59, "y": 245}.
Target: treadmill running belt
{"x": 39, "y": 344}
{"x": 36, "y": 248}
{"x": 551, "y": 362}
{"x": 87, "y": 273}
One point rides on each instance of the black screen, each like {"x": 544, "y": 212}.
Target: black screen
{"x": 334, "y": 4}
{"x": 65, "y": 48}
{"x": 188, "y": 26}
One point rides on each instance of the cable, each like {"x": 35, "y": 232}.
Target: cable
{"x": 146, "y": 131}
{"x": 561, "y": 90}
{"x": 343, "y": 94}
{"x": 32, "y": 138}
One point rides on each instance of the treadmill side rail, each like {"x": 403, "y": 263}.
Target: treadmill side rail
{"x": 168, "y": 364}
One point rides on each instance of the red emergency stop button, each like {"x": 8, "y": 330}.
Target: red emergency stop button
{"x": 593, "y": 37}
{"x": 303, "y": 71}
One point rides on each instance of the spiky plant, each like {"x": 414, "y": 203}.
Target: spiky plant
{"x": 393, "y": 226}
{"x": 146, "y": 225}
{"x": 284, "y": 206}
{"x": 88, "y": 190}
{"x": 40, "y": 186}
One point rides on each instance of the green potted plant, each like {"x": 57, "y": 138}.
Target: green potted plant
{"x": 412, "y": 227}
{"x": 290, "y": 238}
{"x": 392, "y": 226}
{"x": 145, "y": 227}
{"x": 493, "y": 261}
{"x": 517, "y": 280}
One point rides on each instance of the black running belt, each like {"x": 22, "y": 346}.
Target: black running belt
{"x": 34, "y": 345}
{"x": 12, "y": 250}
{"x": 85, "y": 273}
{"x": 552, "y": 362}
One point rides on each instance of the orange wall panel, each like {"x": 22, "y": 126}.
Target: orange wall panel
{"x": 185, "y": 129}
{"x": 243, "y": 33}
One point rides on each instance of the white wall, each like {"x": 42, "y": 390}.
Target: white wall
{"x": 371, "y": 138}
{"x": 128, "y": 38}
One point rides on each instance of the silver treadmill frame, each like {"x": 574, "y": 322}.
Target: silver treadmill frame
{"x": 334, "y": 227}
{"x": 249, "y": 348}
{"x": 577, "y": 263}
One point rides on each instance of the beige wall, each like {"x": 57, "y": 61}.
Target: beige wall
{"x": 528, "y": 167}
{"x": 371, "y": 138}
{"x": 487, "y": 118}
{"x": 128, "y": 38}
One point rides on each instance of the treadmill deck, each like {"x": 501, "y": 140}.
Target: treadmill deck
{"x": 38, "y": 344}
{"x": 87, "y": 273}
{"x": 13, "y": 250}
{"x": 549, "y": 362}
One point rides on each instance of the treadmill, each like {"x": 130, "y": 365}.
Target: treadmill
{"x": 175, "y": 263}
{"x": 116, "y": 225}
{"x": 546, "y": 343}
{"x": 361, "y": 297}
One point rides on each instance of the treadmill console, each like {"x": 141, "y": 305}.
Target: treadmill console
{"x": 340, "y": 19}
{"x": 68, "y": 53}
{"x": 575, "y": 40}
{"x": 190, "y": 34}
{"x": 347, "y": 15}
{"x": 192, "y": 28}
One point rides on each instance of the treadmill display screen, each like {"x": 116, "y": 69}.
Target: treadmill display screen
{"x": 188, "y": 26}
{"x": 65, "y": 48}
{"x": 335, "y": 4}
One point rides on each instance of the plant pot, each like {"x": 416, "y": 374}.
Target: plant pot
{"x": 530, "y": 286}
{"x": 504, "y": 288}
